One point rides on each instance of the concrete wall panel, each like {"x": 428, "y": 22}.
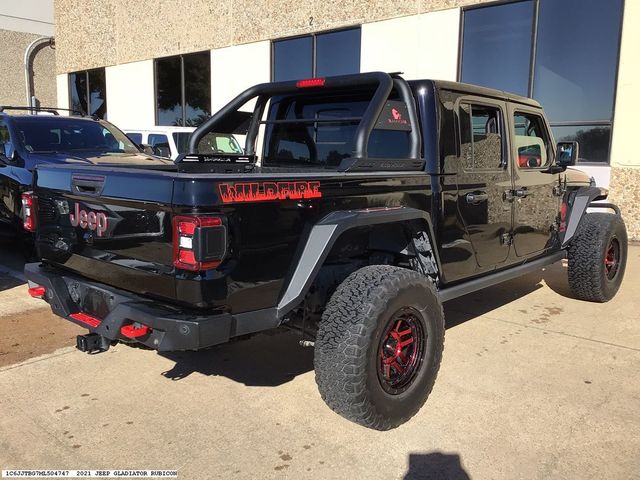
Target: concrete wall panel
{"x": 13, "y": 91}
{"x": 97, "y": 33}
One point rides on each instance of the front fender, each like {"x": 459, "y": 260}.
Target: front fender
{"x": 321, "y": 239}
{"x": 578, "y": 204}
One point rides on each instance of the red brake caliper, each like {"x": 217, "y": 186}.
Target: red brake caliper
{"x": 397, "y": 360}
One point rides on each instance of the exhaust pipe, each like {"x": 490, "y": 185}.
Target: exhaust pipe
{"x": 92, "y": 343}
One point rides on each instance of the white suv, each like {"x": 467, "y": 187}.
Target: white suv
{"x": 169, "y": 142}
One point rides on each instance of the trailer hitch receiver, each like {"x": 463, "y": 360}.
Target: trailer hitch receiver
{"x": 92, "y": 343}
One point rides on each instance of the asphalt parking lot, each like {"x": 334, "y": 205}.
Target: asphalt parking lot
{"x": 533, "y": 385}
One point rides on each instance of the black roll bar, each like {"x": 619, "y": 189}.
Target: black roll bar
{"x": 385, "y": 83}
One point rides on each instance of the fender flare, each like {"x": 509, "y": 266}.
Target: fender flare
{"x": 582, "y": 199}
{"x": 322, "y": 237}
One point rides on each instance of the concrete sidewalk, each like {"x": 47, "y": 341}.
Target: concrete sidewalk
{"x": 534, "y": 385}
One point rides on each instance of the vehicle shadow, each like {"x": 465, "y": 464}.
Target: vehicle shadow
{"x": 12, "y": 263}
{"x": 468, "y": 307}
{"x": 272, "y": 360}
{"x": 263, "y": 360}
{"x": 435, "y": 466}
{"x": 556, "y": 278}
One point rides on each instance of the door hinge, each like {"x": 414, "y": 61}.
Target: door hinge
{"x": 560, "y": 189}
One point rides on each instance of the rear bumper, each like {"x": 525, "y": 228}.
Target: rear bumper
{"x": 171, "y": 328}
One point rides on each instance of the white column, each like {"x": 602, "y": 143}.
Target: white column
{"x": 625, "y": 132}
{"x": 62, "y": 90}
{"x": 421, "y": 46}
{"x": 234, "y": 69}
{"x": 131, "y": 95}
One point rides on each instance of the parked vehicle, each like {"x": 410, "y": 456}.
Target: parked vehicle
{"x": 27, "y": 141}
{"x": 169, "y": 142}
{"x": 371, "y": 201}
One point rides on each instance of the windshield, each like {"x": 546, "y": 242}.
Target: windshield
{"x": 64, "y": 135}
{"x": 211, "y": 143}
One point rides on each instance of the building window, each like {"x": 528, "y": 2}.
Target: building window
{"x": 316, "y": 55}
{"x": 88, "y": 92}
{"x": 496, "y": 46}
{"x": 183, "y": 89}
{"x": 563, "y": 53}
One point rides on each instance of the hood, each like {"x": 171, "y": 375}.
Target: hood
{"x": 99, "y": 158}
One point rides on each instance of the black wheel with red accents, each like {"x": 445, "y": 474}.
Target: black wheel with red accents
{"x": 597, "y": 257}
{"x": 379, "y": 346}
{"x": 401, "y": 351}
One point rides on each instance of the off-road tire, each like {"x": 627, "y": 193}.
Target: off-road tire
{"x": 348, "y": 343}
{"x": 589, "y": 278}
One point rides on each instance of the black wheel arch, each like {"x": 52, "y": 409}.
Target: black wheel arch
{"x": 577, "y": 201}
{"x": 331, "y": 232}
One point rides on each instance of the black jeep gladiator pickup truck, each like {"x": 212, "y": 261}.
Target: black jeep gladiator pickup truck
{"x": 361, "y": 204}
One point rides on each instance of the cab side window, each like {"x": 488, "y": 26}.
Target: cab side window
{"x": 135, "y": 137}
{"x": 5, "y": 140}
{"x": 160, "y": 143}
{"x": 481, "y": 139}
{"x": 531, "y": 140}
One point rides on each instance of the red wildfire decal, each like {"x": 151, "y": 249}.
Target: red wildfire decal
{"x": 265, "y": 191}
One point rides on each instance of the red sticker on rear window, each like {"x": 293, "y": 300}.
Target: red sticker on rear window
{"x": 266, "y": 191}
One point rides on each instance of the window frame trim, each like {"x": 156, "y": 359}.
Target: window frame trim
{"x": 505, "y": 149}
{"x": 551, "y": 153}
{"x": 88, "y": 90}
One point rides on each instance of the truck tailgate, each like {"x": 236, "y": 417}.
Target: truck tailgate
{"x": 108, "y": 224}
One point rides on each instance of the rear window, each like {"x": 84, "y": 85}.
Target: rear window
{"x": 210, "y": 144}
{"x": 318, "y": 130}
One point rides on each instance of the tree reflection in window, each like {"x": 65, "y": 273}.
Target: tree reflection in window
{"x": 183, "y": 89}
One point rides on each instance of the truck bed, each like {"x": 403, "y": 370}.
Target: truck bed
{"x": 266, "y": 217}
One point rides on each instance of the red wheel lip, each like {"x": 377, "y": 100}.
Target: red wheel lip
{"x": 612, "y": 258}
{"x": 401, "y": 351}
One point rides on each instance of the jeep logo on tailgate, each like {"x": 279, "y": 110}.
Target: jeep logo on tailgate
{"x": 92, "y": 220}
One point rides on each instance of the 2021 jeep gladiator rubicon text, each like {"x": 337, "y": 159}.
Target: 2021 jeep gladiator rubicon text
{"x": 369, "y": 202}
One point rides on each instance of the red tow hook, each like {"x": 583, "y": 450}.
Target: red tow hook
{"x": 37, "y": 291}
{"x": 131, "y": 331}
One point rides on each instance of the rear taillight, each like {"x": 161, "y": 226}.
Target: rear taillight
{"x": 29, "y": 211}
{"x": 199, "y": 242}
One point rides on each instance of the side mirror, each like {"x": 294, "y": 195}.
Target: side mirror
{"x": 8, "y": 153}
{"x": 567, "y": 153}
